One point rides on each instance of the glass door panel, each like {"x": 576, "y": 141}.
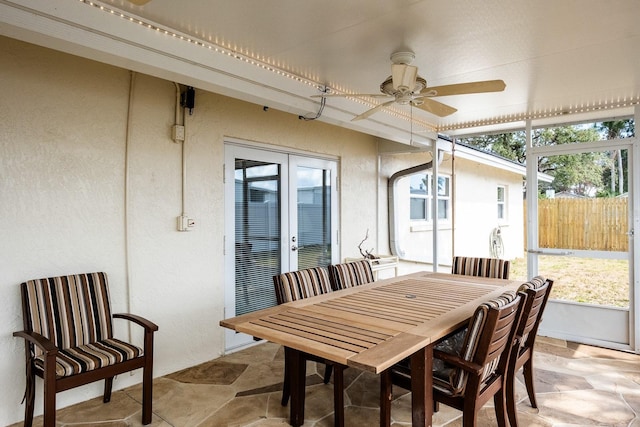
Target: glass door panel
{"x": 313, "y": 189}
{"x": 257, "y": 233}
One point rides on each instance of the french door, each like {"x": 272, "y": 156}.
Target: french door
{"x": 280, "y": 215}
{"x": 586, "y": 244}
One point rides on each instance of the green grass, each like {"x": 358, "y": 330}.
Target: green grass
{"x": 586, "y": 280}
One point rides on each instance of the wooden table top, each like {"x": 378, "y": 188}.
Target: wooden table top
{"x": 373, "y": 326}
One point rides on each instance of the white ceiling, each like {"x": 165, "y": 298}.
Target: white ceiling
{"x": 561, "y": 60}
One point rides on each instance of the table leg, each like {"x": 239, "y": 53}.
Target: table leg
{"x": 386, "y": 394}
{"x": 422, "y": 387}
{"x": 297, "y": 377}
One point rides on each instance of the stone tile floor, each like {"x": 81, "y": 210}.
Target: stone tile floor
{"x": 577, "y": 385}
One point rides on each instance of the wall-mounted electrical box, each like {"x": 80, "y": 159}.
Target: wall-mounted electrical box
{"x": 185, "y": 223}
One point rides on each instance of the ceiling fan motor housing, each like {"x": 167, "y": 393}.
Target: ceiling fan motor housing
{"x": 403, "y": 57}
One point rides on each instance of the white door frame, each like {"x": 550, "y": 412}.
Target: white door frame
{"x": 586, "y": 323}
{"x": 288, "y": 160}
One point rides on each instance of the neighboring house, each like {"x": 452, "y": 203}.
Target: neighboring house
{"x": 481, "y": 193}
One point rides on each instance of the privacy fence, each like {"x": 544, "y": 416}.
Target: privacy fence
{"x": 599, "y": 224}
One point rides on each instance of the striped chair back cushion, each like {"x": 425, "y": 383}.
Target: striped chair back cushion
{"x": 70, "y": 310}
{"x": 301, "y": 284}
{"x": 537, "y": 290}
{"x": 453, "y": 381}
{"x": 481, "y": 267}
{"x": 351, "y": 274}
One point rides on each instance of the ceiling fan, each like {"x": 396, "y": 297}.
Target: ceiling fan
{"x": 406, "y": 87}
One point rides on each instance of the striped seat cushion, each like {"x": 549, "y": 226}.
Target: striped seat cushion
{"x": 451, "y": 380}
{"x": 351, "y": 274}
{"x": 76, "y": 360}
{"x": 481, "y": 267}
{"x": 301, "y": 284}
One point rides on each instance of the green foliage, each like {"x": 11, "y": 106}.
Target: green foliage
{"x": 586, "y": 174}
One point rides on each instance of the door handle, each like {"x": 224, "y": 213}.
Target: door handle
{"x": 294, "y": 248}
{"x": 539, "y": 252}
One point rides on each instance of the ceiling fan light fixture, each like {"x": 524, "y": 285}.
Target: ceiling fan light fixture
{"x": 404, "y": 77}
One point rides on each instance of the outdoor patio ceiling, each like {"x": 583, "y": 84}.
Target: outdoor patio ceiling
{"x": 573, "y": 61}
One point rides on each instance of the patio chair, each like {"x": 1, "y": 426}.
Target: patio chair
{"x": 467, "y": 376}
{"x": 69, "y": 341}
{"x": 537, "y": 291}
{"x": 350, "y": 274}
{"x": 297, "y": 285}
{"x": 481, "y": 267}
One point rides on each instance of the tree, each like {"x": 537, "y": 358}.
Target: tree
{"x": 578, "y": 173}
{"x": 618, "y": 159}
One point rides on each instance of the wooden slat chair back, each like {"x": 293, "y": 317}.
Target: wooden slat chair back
{"x": 350, "y": 274}
{"x": 466, "y": 377}
{"x": 296, "y": 285}
{"x": 481, "y": 267}
{"x": 537, "y": 291}
{"x": 69, "y": 340}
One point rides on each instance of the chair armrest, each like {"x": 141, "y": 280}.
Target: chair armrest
{"x": 38, "y": 340}
{"x": 458, "y": 362}
{"x": 146, "y": 324}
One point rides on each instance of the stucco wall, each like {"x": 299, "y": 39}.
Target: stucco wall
{"x": 476, "y": 214}
{"x": 475, "y": 201}
{"x": 66, "y": 167}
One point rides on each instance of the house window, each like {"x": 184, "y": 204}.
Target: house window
{"x": 502, "y": 205}
{"x": 421, "y": 197}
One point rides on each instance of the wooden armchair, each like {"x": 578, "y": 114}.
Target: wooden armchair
{"x": 350, "y": 274}
{"x": 297, "y": 285}
{"x": 466, "y": 377}
{"x": 69, "y": 341}
{"x": 537, "y": 291}
{"x": 481, "y": 267}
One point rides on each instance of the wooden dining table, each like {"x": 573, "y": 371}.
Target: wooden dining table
{"x": 371, "y": 327}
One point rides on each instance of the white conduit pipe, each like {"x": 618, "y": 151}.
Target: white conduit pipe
{"x": 132, "y": 82}
{"x": 391, "y": 190}
{"x": 180, "y": 120}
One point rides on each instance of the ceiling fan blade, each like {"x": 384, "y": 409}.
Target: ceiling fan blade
{"x": 465, "y": 88}
{"x": 434, "y": 107}
{"x": 139, "y": 2}
{"x": 404, "y": 76}
{"x": 373, "y": 110}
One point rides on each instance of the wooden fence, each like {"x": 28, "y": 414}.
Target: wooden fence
{"x": 583, "y": 224}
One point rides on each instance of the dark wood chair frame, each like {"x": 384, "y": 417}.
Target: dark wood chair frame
{"x": 53, "y": 384}
{"x": 292, "y": 371}
{"x": 522, "y": 353}
{"x": 497, "y": 340}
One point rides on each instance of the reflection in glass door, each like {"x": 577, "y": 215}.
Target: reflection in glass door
{"x": 311, "y": 221}
{"x": 257, "y": 233}
{"x": 280, "y": 215}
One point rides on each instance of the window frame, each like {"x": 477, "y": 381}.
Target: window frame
{"x": 501, "y": 203}
{"x": 427, "y": 197}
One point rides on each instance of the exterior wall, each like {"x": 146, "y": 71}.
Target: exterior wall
{"x": 476, "y": 210}
{"x": 474, "y": 197}
{"x": 63, "y": 184}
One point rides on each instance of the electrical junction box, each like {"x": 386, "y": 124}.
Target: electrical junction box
{"x": 177, "y": 133}
{"x": 185, "y": 223}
